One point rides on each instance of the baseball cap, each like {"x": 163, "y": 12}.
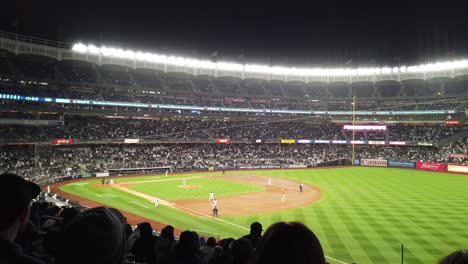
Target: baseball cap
{"x": 256, "y": 226}
{"x": 18, "y": 192}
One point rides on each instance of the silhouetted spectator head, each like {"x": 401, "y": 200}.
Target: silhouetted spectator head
{"x": 94, "y": 236}
{"x": 167, "y": 232}
{"x": 211, "y": 242}
{"x": 69, "y": 214}
{"x": 457, "y": 257}
{"x": 15, "y": 210}
{"x": 289, "y": 243}
{"x": 256, "y": 228}
{"x": 187, "y": 247}
{"x": 241, "y": 251}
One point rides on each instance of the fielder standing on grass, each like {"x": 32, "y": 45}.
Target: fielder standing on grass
{"x": 156, "y": 203}
{"x": 211, "y": 196}
{"x": 183, "y": 181}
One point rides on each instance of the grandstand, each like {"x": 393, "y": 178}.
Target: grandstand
{"x": 78, "y": 111}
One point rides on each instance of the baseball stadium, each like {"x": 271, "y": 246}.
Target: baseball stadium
{"x": 373, "y": 160}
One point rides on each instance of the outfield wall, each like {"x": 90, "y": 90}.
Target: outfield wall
{"x": 431, "y": 166}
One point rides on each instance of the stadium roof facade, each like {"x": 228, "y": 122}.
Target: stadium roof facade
{"x": 19, "y": 44}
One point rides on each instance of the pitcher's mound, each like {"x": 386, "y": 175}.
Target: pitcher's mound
{"x": 189, "y": 186}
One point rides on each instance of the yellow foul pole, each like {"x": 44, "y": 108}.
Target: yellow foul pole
{"x": 354, "y": 110}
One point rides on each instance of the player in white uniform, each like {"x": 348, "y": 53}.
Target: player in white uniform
{"x": 156, "y": 202}
{"x": 167, "y": 173}
{"x": 183, "y": 181}
{"x": 211, "y": 196}
{"x": 269, "y": 181}
{"x": 215, "y": 202}
{"x": 283, "y": 198}
{"x": 111, "y": 181}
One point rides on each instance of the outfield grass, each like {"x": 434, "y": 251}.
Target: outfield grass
{"x": 364, "y": 216}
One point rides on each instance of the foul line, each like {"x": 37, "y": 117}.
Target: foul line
{"x": 142, "y": 205}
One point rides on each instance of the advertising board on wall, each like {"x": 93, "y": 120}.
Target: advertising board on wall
{"x": 401, "y": 164}
{"x": 374, "y": 162}
{"x": 63, "y": 141}
{"x": 457, "y": 168}
{"x": 431, "y": 166}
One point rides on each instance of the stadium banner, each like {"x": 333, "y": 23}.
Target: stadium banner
{"x": 374, "y": 162}
{"x": 288, "y": 141}
{"x": 463, "y": 156}
{"x": 339, "y": 141}
{"x": 425, "y": 144}
{"x": 223, "y": 141}
{"x": 376, "y": 142}
{"x": 397, "y": 142}
{"x": 321, "y": 141}
{"x": 63, "y": 141}
{"x": 131, "y": 141}
{"x": 457, "y": 168}
{"x": 452, "y": 122}
{"x": 364, "y": 127}
{"x": 305, "y": 141}
{"x": 102, "y": 174}
{"x": 260, "y": 167}
{"x": 431, "y": 166}
{"x": 401, "y": 164}
{"x": 356, "y": 142}
{"x": 260, "y": 100}
{"x": 293, "y": 166}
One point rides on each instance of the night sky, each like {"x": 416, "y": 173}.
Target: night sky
{"x": 285, "y": 36}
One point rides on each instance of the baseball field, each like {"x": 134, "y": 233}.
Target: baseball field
{"x": 360, "y": 214}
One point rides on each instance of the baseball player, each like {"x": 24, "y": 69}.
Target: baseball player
{"x": 269, "y": 181}
{"x": 211, "y": 196}
{"x": 215, "y": 202}
{"x": 167, "y": 172}
{"x": 301, "y": 187}
{"x": 183, "y": 181}
{"x": 215, "y": 211}
{"x": 156, "y": 203}
{"x": 283, "y": 198}
{"x": 111, "y": 181}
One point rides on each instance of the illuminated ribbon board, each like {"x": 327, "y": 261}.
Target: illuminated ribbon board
{"x": 213, "y": 109}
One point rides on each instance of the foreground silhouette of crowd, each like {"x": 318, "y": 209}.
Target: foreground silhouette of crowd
{"x": 36, "y": 232}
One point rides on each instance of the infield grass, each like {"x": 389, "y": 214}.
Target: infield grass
{"x": 364, "y": 215}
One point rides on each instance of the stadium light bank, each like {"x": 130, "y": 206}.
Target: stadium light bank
{"x": 265, "y": 69}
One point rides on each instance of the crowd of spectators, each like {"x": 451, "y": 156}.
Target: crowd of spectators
{"x": 87, "y": 128}
{"x": 42, "y": 163}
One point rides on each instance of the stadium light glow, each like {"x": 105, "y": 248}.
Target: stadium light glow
{"x": 264, "y": 69}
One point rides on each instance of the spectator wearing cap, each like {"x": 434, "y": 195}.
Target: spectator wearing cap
{"x": 256, "y": 230}
{"x": 15, "y": 217}
{"x": 96, "y": 236}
